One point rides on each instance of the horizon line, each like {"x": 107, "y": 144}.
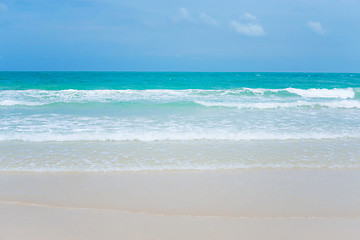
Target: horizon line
{"x": 176, "y": 71}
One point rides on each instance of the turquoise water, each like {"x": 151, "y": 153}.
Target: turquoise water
{"x": 165, "y": 111}
{"x": 173, "y": 80}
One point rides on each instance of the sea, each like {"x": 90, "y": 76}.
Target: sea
{"x": 157, "y": 121}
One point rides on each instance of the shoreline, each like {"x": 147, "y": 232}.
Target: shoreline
{"x": 178, "y": 155}
{"x": 160, "y": 171}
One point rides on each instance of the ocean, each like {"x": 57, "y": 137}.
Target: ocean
{"x": 143, "y": 121}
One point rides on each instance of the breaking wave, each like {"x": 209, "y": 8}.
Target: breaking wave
{"x": 240, "y": 98}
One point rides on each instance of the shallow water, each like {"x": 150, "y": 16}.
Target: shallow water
{"x": 114, "y": 121}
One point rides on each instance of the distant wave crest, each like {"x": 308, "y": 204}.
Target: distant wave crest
{"x": 272, "y": 105}
{"x": 241, "y": 98}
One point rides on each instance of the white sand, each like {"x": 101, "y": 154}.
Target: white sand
{"x": 247, "y": 204}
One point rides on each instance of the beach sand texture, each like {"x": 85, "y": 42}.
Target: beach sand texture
{"x": 241, "y": 204}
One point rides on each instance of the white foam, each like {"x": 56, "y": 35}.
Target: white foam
{"x": 39, "y": 97}
{"x": 168, "y": 136}
{"x": 273, "y": 105}
{"x": 341, "y": 104}
{"x": 323, "y": 93}
{"x": 7, "y": 103}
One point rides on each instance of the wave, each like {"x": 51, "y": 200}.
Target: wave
{"x": 44, "y": 97}
{"x": 166, "y": 136}
{"x": 324, "y": 93}
{"x": 345, "y": 104}
{"x": 8, "y": 103}
{"x": 272, "y": 105}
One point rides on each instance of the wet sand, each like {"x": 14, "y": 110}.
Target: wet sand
{"x": 247, "y": 204}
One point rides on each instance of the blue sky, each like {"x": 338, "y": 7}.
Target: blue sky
{"x": 203, "y": 35}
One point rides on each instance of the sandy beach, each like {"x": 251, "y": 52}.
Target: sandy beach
{"x": 179, "y": 120}
{"x": 248, "y": 204}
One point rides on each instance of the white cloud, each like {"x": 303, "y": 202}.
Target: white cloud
{"x": 3, "y": 7}
{"x": 316, "y": 27}
{"x": 209, "y": 20}
{"x": 248, "y": 26}
{"x": 248, "y": 17}
{"x": 184, "y": 14}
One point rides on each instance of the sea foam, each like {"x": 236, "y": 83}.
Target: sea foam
{"x": 148, "y": 136}
{"x": 323, "y": 93}
{"x": 43, "y": 97}
{"x": 271, "y": 105}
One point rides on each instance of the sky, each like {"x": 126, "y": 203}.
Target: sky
{"x": 187, "y": 35}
